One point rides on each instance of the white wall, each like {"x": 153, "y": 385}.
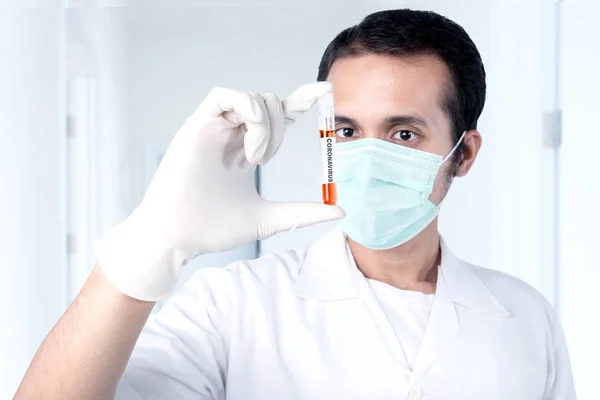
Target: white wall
{"x": 31, "y": 218}
{"x": 113, "y": 140}
{"x": 580, "y": 192}
{"x": 522, "y": 83}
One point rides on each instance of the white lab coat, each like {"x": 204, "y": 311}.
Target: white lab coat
{"x": 304, "y": 324}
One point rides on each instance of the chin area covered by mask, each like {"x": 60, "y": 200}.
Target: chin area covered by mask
{"x": 384, "y": 189}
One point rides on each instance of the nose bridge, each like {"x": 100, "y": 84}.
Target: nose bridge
{"x": 373, "y": 130}
{"x": 371, "y": 124}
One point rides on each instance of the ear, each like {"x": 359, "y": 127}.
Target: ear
{"x": 471, "y": 144}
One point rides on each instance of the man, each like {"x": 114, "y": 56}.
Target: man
{"x": 379, "y": 308}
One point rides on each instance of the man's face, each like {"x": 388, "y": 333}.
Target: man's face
{"x": 395, "y": 99}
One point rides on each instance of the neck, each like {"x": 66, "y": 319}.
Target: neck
{"x": 410, "y": 266}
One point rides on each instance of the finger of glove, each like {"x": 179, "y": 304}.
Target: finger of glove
{"x": 302, "y": 99}
{"x": 277, "y": 125}
{"x": 257, "y": 136}
{"x": 283, "y": 217}
{"x": 239, "y": 106}
{"x": 243, "y": 110}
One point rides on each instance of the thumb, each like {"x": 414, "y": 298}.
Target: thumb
{"x": 302, "y": 99}
{"x": 283, "y": 217}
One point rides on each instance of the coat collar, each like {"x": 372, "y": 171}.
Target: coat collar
{"x": 330, "y": 273}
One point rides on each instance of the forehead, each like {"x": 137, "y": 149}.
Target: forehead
{"x": 379, "y": 85}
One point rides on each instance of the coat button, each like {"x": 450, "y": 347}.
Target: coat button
{"x": 415, "y": 393}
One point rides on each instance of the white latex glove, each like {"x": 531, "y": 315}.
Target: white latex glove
{"x": 202, "y": 198}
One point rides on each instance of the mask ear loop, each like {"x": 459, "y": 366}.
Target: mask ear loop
{"x": 454, "y": 148}
{"x": 448, "y": 156}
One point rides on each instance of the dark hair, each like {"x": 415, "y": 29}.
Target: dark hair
{"x": 403, "y": 33}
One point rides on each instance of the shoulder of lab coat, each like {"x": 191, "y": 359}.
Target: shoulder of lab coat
{"x": 183, "y": 350}
{"x": 527, "y": 304}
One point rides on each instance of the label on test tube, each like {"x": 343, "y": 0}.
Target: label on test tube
{"x": 327, "y": 135}
{"x": 328, "y": 154}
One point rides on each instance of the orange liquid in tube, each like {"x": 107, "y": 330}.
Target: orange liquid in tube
{"x": 327, "y": 138}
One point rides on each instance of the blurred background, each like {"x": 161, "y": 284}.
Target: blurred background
{"x": 91, "y": 92}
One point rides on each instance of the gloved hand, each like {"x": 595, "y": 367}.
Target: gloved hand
{"x": 202, "y": 198}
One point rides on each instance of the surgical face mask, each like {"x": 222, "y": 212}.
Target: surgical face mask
{"x": 384, "y": 189}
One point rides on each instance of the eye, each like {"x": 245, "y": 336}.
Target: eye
{"x": 345, "y": 133}
{"x": 405, "y": 135}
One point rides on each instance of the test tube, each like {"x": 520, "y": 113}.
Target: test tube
{"x": 327, "y": 135}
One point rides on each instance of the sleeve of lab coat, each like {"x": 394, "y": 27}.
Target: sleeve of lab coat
{"x": 182, "y": 351}
{"x": 560, "y": 379}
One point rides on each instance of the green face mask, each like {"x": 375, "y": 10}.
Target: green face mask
{"x": 384, "y": 189}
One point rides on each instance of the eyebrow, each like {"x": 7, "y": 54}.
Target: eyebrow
{"x": 406, "y": 120}
{"x": 341, "y": 119}
{"x": 393, "y": 120}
